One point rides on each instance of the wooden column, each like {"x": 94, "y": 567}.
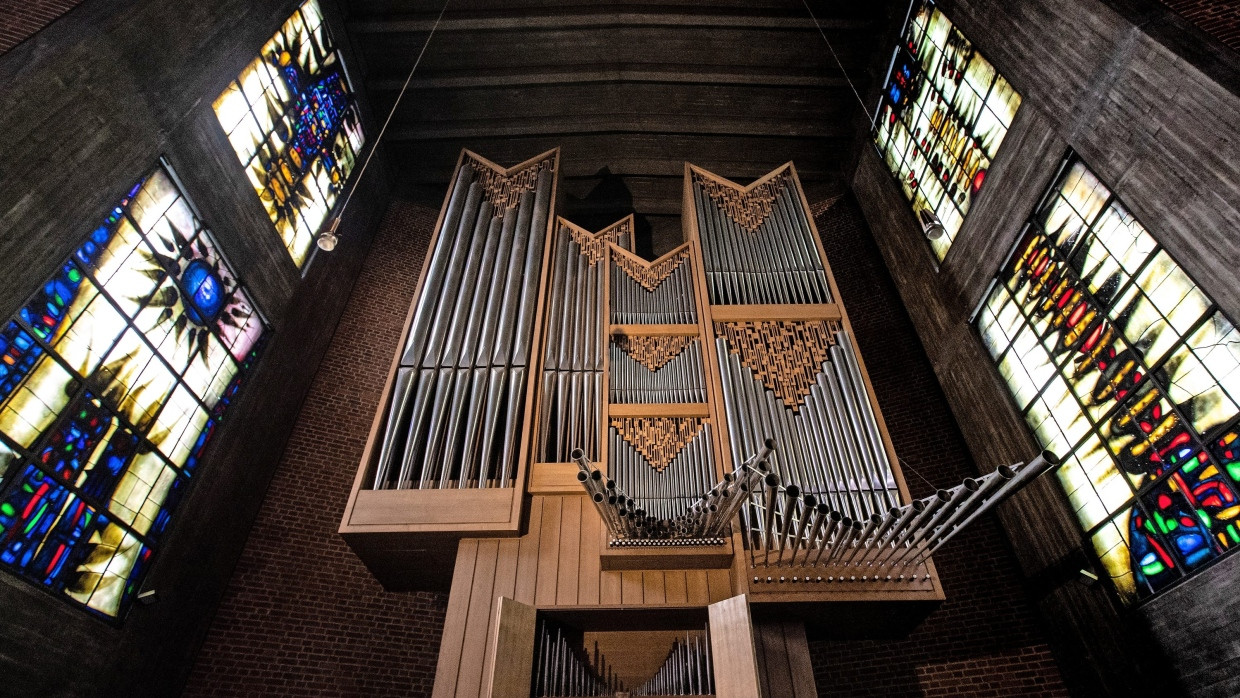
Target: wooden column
{"x": 784, "y": 664}
{"x": 512, "y": 650}
{"x": 732, "y": 652}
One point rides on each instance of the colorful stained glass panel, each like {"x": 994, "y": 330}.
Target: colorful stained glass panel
{"x": 1142, "y": 402}
{"x": 293, "y": 121}
{"x": 112, "y": 377}
{"x": 944, "y": 114}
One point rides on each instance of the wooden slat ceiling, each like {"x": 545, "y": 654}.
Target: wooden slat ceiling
{"x": 630, "y": 91}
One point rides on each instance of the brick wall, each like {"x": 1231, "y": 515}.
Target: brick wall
{"x": 985, "y": 639}
{"x": 20, "y": 19}
{"x": 1218, "y": 18}
{"x": 301, "y": 615}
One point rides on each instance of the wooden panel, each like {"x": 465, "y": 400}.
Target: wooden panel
{"x": 589, "y": 565}
{"x": 610, "y": 585}
{"x": 696, "y": 587}
{"x": 631, "y": 588}
{"x": 719, "y": 583}
{"x": 677, "y": 592}
{"x": 668, "y": 558}
{"x": 732, "y": 649}
{"x": 548, "y": 552}
{"x": 505, "y": 587}
{"x": 773, "y": 669}
{"x": 659, "y": 410}
{"x": 798, "y": 313}
{"x": 657, "y": 330}
{"x": 653, "y": 588}
{"x": 413, "y": 510}
{"x": 450, "y": 644}
{"x": 570, "y": 551}
{"x": 478, "y": 620}
{"x": 511, "y": 660}
{"x": 554, "y": 478}
{"x": 527, "y": 556}
{"x": 799, "y": 660}
{"x": 784, "y": 662}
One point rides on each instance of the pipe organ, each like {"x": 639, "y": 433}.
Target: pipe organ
{"x": 578, "y": 441}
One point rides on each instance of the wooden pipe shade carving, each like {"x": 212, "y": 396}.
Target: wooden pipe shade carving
{"x": 748, "y": 207}
{"x": 785, "y": 356}
{"x": 658, "y": 439}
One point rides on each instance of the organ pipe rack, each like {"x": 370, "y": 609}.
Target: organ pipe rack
{"x": 571, "y": 431}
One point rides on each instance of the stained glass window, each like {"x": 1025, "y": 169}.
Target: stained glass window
{"x": 293, "y": 121}
{"x": 113, "y": 377}
{"x": 943, "y": 116}
{"x": 1121, "y": 363}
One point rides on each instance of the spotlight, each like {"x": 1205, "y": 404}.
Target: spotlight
{"x": 931, "y": 226}
{"x": 1087, "y": 577}
{"x": 328, "y": 239}
{"x": 148, "y": 597}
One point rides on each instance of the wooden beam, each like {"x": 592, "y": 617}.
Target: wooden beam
{"x": 660, "y": 410}
{"x": 666, "y": 124}
{"x": 663, "y": 75}
{"x": 554, "y": 478}
{"x": 796, "y": 313}
{"x": 575, "y": 22}
{"x": 657, "y": 330}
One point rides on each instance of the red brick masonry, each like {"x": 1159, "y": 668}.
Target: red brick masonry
{"x": 1218, "y": 18}
{"x": 302, "y": 616}
{"x": 20, "y": 19}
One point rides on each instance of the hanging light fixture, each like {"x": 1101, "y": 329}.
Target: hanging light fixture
{"x": 329, "y": 236}
{"x": 328, "y": 239}
{"x": 931, "y": 226}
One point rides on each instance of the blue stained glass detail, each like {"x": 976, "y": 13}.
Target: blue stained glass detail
{"x": 18, "y": 354}
{"x": 295, "y": 126}
{"x": 42, "y": 526}
{"x": 164, "y": 517}
{"x": 74, "y": 447}
{"x": 204, "y": 292}
{"x": 320, "y": 110}
{"x": 46, "y": 311}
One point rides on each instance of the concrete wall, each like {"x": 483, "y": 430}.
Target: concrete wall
{"x": 88, "y": 106}
{"x": 1152, "y": 108}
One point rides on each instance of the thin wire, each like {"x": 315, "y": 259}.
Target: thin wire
{"x": 864, "y": 108}
{"x": 914, "y": 471}
{"x": 379, "y": 139}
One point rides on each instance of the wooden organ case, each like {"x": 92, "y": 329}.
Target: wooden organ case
{"x": 579, "y": 443}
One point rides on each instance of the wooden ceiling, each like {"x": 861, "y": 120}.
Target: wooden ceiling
{"x": 629, "y": 91}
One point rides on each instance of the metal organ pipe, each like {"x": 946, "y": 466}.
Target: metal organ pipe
{"x": 670, "y": 303}
{"x": 882, "y": 545}
{"x": 680, "y": 380}
{"x": 685, "y": 672}
{"x": 456, "y": 411}
{"x": 776, "y": 261}
{"x": 564, "y": 669}
{"x": 573, "y": 357}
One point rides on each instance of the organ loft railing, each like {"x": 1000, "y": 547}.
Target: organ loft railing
{"x": 578, "y": 443}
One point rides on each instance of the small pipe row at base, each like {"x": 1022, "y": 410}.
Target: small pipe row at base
{"x": 784, "y": 528}
{"x": 787, "y": 528}
{"x": 565, "y": 670}
{"x": 686, "y": 671}
{"x": 706, "y": 519}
